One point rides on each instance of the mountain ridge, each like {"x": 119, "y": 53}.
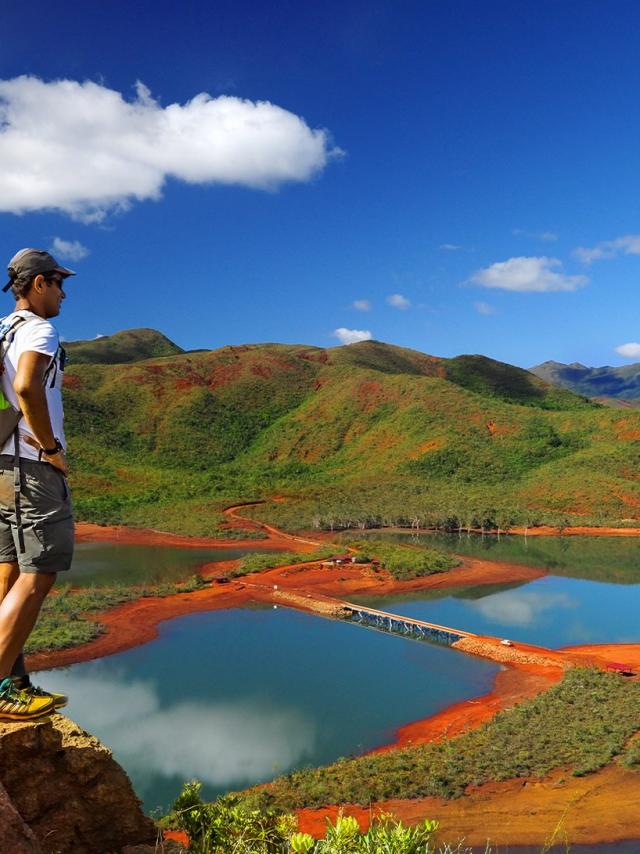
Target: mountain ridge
{"x": 620, "y": 383}
{"x": 129, "y": 345}
{"x": 368, "y": 431}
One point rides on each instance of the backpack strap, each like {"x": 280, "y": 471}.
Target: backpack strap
{"x": 17, "y": 488}
{"x": 7, "y": 334}
{"x": 52, "y": 370}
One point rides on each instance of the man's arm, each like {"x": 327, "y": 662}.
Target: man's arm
{"x": 32, "y": 398}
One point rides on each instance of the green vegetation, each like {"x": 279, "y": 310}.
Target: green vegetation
{"x": 133, "y": 345}
{"x": 404, "y": 561}
{"x": 583, "y": 723}
{"x": 631, "y": 757}
{"x": 257, "y": 561}
{"x": 355, "y": 436}
{"x": 225, "y": 827}
{"x": 488, "y": 377}
{"x": 64, "y": 620}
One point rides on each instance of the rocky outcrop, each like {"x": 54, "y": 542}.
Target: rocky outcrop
{"x": 61, "y": 791}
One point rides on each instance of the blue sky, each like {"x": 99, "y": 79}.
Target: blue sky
{"x": 466, "y": 172}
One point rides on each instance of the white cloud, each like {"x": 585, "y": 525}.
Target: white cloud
{"x": 351, "y": 336}
{"x": 84, "y": 149}
{"x": 484, "y": 308}
{"x": 536, "y": 275}
{"x": 627, "y": 245}
{"x": 398, "y": 301}
{"x": 100, "y": 335}
{"x": 450, "y": 247}
{"x": 535, "y": 235}
{"x": 629, "y": 351}
{"x": 361, "y": 305}
{"x": 69, "y": 250}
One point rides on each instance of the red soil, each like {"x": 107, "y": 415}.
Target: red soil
{"x": 86, "y": 532}
{"x": 597, "y": 808}
{"x": 600, "y": 807}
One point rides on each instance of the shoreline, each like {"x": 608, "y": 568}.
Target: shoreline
{"x": 136, "y": 622}
{"x": 517, "y": 530}
{"x": 494, "y": 807}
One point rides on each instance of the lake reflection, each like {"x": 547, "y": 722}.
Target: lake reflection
{"x": 611, "y": 559}
{"x": 221, "y": 743}
{"x": 237, "y": 697}
{"x": 523, "y": 608}
{"x": 97, "y": 564}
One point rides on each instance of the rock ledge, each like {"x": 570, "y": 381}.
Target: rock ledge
{"x": 61, "y": 792}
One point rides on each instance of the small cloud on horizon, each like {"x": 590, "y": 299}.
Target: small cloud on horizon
{"x": 451, "y": 247}
{"x": 629, "y": 351}
{"x": 627, "y": 245}
{"x": 361, "y": 305}
{"x": 351, "y": 336}
{"x": 398, "y": 301}
{"x": 69, "y": 250}
{"x": 535, "y": 235}
{"x": 527, "y": 275}
{"x": 484, "y": 308}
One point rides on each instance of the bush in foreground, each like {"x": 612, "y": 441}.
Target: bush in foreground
{"x": 225, "y": 827}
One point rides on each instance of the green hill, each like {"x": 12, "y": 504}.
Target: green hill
{"x": 359, "y": 435}
{"x": 621, "y": 383}
{"x": 133, "y": 345}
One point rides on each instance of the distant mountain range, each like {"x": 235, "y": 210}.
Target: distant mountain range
{"x": 606, "y": 384}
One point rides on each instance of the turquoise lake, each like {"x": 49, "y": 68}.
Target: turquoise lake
{"x": 592, "y": 595}
{"x": 236, "y": 697}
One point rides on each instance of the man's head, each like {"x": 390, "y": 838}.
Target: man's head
{"x": 36, "y": 280}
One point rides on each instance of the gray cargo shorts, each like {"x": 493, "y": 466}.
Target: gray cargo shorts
{"x": 47, "y": 517}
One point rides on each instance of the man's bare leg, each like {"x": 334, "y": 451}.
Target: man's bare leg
{"x": 18, "y": 614}
{"x": 9, "y": 573}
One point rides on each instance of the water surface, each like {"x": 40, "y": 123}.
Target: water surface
{"x": 550, "y": 611}
{"x": 237, "y": 697}
{"x": 98, "y": 564}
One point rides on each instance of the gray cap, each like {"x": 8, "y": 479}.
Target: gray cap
{"x": 30, "y": 262}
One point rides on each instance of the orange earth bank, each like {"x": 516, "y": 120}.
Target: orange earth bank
{"x": 599, "y": 807}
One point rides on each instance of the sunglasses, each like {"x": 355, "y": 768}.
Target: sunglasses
{"x": 56, "y": 280}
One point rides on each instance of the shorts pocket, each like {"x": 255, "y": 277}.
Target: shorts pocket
{"x": 50, "y": 549}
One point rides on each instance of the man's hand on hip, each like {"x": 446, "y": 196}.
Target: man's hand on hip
{"x": 58, "y": 461}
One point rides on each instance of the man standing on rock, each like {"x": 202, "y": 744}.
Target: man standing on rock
{"x": 36, "y": 522}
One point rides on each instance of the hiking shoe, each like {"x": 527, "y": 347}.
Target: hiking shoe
{"x": 16, "y": 705}
{"x": 59, "y": 700}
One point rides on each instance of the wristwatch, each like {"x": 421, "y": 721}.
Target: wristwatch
{"x": 49, "y": 452}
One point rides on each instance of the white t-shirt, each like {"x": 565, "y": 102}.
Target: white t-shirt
{"x": 37, "y": 335}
